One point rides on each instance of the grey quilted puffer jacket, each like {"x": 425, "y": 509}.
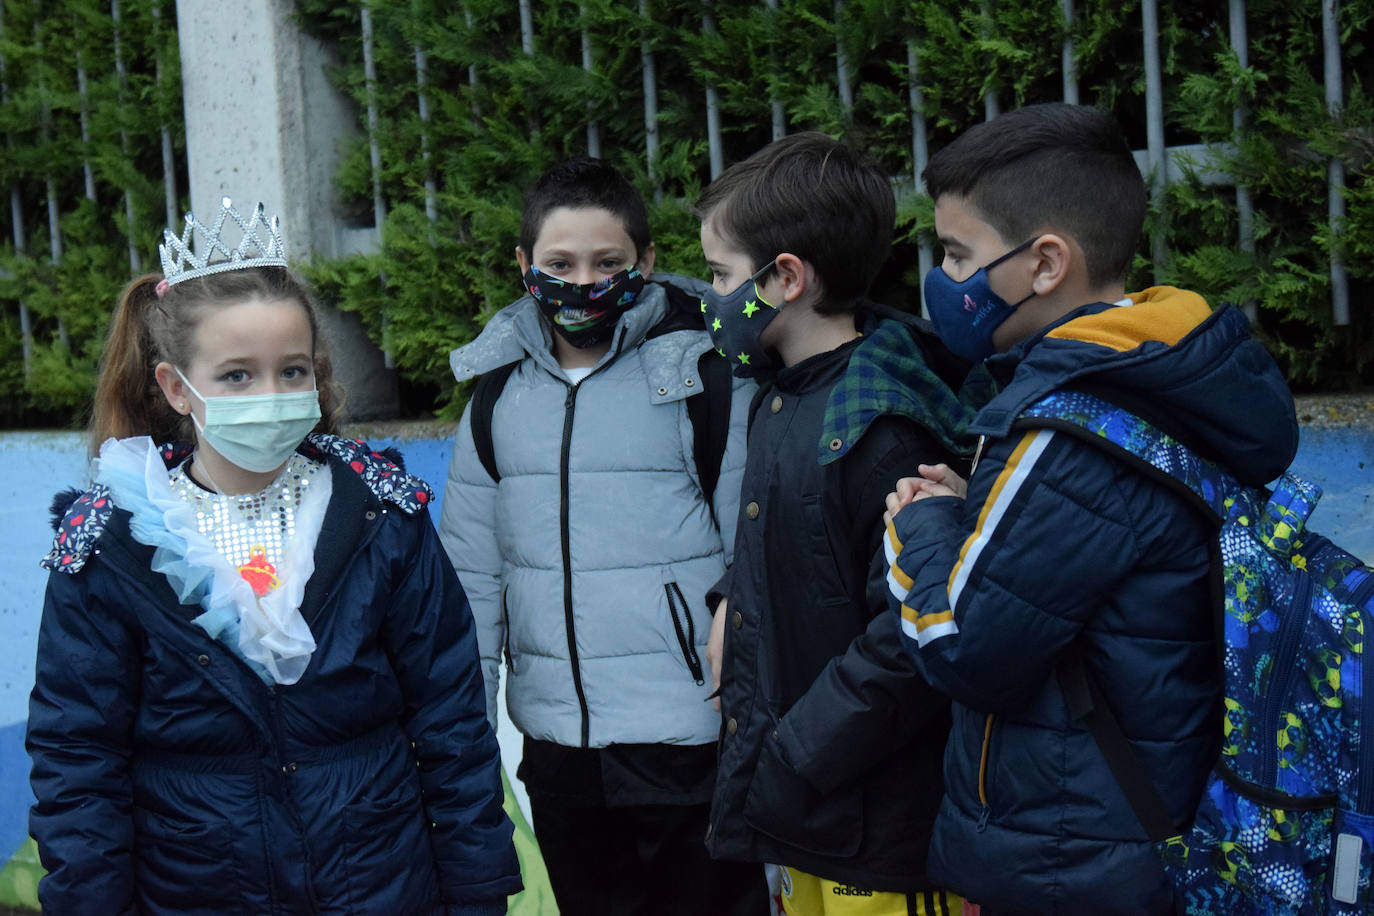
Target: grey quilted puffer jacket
{"x": 588, "y": 563}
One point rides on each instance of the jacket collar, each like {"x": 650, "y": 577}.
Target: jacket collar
{"x": 519, "y": 330}
{"x": 351, "y": 518}
{"x": 81, "y": 525}
{"x": 1201, "y": 369}
{"x": 1093, "y": 340}
{"x": 889, "y": 373}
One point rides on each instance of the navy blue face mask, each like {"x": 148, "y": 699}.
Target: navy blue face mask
{"x": 735, "y": 321}
{"x": 965, "y": 314}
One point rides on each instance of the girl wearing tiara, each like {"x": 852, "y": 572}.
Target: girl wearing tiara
{"x": 257, "y": 681}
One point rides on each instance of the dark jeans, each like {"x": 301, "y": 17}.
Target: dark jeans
{"x": 640, "y": 859}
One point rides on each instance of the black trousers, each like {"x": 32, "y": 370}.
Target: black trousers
{"x": 640, "y": 860}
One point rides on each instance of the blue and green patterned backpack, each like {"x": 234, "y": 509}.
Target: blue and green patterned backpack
{"x": 1286, "y": 822}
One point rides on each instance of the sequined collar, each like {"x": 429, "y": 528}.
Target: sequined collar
{"x": 252, "y": 530}
{"x": 85, "y": 518}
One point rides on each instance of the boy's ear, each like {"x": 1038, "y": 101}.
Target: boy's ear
{"x": 173, "y": 388}
{"x": 646, "y": 262}
{"x": 796, "y": 276}
{"x": 1054, "y": 259}
{"x": 523, "y": 259}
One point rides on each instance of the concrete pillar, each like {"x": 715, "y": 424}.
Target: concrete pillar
{"x": 264, "y": 123}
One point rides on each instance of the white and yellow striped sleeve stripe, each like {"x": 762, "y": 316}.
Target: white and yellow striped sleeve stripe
{"x": 898, "y": 582}
{"x": 930, "y": 626}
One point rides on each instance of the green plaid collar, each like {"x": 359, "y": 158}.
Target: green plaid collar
{"x": 887, "y": 374}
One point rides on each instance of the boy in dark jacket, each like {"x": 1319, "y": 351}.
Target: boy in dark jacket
{"x": 1058, "y": 550}
{"x": 830, "y": 752}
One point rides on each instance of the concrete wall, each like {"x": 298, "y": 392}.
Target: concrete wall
{"x": 264, "y": 123}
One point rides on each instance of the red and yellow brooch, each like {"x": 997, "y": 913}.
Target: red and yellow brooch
{"x": 258, "y": 573}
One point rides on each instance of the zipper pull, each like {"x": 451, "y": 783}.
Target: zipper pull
{"x": 983, "y": 818}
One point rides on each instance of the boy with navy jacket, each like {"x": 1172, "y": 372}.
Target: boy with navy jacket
{"x": 831, "y": 741}
{"x": 1055, "y": 550}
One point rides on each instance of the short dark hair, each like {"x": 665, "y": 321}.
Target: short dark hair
{"x": 585, "y": 182}
{"x": 816, "y": 198}
{"x": 1063, "y": 166}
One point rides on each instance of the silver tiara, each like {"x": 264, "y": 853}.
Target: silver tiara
{"x": 260, "y": 246}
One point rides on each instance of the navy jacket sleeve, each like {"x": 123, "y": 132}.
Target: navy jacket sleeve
{"x": 993, "y": 588}
{"x": 433, "y": 646}
{"x": 872, "y": 698}
{"x": 81, "y": 715}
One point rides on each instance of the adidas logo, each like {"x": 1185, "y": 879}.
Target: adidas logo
{"x": 848, "y": 890}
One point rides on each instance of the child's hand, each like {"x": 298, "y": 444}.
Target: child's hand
{"x": 935, "y": 480}
{"x": 715, "y": 650}
{"x": 939, "y": 480}
{"x": 906, "y": 491}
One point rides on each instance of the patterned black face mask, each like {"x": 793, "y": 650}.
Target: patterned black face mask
{"x": 584, "y": 314}
{"x": 735, "y": 321}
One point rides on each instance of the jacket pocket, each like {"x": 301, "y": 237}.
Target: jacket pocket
{"x": 387, "y": 854}
{"x": 685, "y": 630}
{"x": 184, "y": 866}
{"x": 821, "y": 564}
{"x": 985, "y": 769}
{"x": 784, "y": 806}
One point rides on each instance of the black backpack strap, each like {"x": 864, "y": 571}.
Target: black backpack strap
{"x": 709, "y": 413}
{"x": 489, "y": 388}
{"x": 1087, "y": 705}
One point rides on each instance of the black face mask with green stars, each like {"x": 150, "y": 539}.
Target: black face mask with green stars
{"x": 736, "y": 320}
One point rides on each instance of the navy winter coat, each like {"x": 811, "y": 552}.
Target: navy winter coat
{"x": 831, "y": 747}
{"x": 1058, "y": 549}
{"x": 171, "y": 779}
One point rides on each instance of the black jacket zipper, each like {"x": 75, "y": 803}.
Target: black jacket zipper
{"x": 685, "y": 640}
{"x": 565, "y": 538}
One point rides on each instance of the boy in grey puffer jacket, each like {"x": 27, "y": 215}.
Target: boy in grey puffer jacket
{"x": 578, "y": 558}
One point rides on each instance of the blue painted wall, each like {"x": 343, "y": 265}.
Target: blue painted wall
{"x": 35, "y": 465}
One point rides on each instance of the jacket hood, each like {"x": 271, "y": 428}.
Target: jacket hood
{"x": 1166, "y": 356}
{"x": 519, "y": 330}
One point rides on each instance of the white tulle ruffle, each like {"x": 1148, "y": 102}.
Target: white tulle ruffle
{"x": 268, "y": 632}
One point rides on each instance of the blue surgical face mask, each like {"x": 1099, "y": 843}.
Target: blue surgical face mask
{"x": 735, "y": 321}
{"x": 256, "y": 432}
{"x": 965, "y": 314}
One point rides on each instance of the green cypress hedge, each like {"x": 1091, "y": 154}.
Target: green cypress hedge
{"x": 488, "y": 139}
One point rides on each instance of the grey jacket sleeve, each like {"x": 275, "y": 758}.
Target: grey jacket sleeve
{"x": 467, "y": 528}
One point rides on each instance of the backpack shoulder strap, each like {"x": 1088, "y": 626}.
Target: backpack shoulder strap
{"x": 1141, "y": 443}
{"x": 484, "y": 396}
{"x": 1087, "y": 704}
{"x": 683, "y": 314}
{"x": 709, "y": 413}
{"x": 1201, "y": 484}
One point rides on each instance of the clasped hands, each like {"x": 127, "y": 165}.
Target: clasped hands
{"x": 935, "y": 480}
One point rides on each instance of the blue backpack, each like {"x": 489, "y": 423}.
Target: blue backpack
{"x": 1286, "y": 822}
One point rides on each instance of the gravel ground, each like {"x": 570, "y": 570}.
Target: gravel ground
{"x": 1335, "y": 411}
